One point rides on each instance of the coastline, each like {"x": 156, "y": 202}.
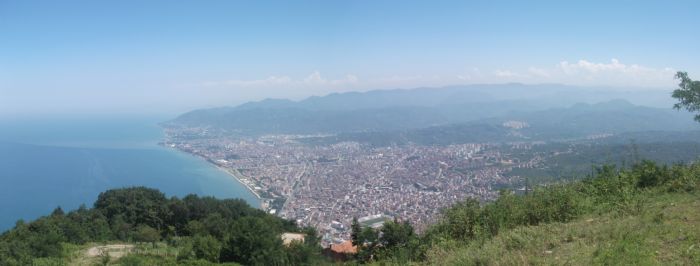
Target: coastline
{"x": 227, "y": 171}
{"x": 222, "y": 169}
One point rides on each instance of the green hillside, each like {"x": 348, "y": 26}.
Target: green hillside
{"x": 665, "y": 232}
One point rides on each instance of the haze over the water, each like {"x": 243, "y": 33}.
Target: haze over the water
{"x": 65, "y": 57}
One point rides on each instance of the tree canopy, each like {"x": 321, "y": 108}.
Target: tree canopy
{"x": 687, "y": 94}
{"x": 202, "y": 228}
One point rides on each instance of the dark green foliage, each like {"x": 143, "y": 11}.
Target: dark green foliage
{"x": 57, "y": 212}
{"x": 395, "y": 240}
{"x": 551, "y": 204}
{"x": 396, "y": 234}
{"x": 145, "y": 233}
{"x": 204, "y": 229}
{"x": 399, "y": 242}
{"x": 138, "y": 205}
{"x": 683, "y": 179}
{"x": 250, "y": 241}
{"x": 356, "y": 229}
{"x": 307, "y": 253}
{"x": 368, "y": 239}
{"x": 462, "y": 222}
{"x": 650, "y": 174}
{"x": 207, "y": 248}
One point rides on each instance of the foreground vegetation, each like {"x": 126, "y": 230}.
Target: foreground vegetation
{"x": 190, "y": 231}
{"x": 645, "y": 214}
{"x": 664, "y": 233}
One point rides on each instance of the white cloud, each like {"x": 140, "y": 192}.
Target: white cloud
{"x": 312, "y": 80}
{"x": 539, "y": 72}
{"x": 581, "y": 72}
{"x": 616, "y": 73}
{"x": 315, "y": 78}
{"x": 508, "y": 74}
{"x": 586, "y": 66}
{"x": 396, "y": 78}
{"x": 272, "y": 80}
{"x": 349, "y": 79}
{"x": 584, "y": 72}
{"x": 407, "y": 81}
{"x": 471, "y": 75}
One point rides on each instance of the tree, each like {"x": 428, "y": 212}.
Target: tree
{"x": 356, "y": 231}
{"x": 299, "y": 253}
{"x": 462, "y": 221}
{"x": 253, "y": 241}
{"x": 145, "y": 233}
{"x": 369, "y": 239}
{"x": 209, "y": 230}
{"x": 57, "y": 212}
{"x": 120, "y": 228}
{"x": 649, "y": 174}
{"x": 307, "y": 252}
{"x": 206, "y": 247}
{"x": 47, "y": 239}
{"x": 396, "y": 234}
{"x": 137, "y": 205}
{"x": 688, "y": 94}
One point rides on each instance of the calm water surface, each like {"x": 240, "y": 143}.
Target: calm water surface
{"x": 68, "y": 162}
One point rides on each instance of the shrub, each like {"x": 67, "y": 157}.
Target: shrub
{"x": 649, "y": 174}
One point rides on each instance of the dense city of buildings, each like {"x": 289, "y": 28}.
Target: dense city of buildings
{"x": 327, "y": 186}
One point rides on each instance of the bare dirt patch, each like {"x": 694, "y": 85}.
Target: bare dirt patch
{"x": 114, "y": 251}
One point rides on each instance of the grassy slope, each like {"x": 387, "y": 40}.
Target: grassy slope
{"x": 667, "y": 232}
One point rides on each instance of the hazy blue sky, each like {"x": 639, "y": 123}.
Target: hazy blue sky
{"x": 170, "y": 56}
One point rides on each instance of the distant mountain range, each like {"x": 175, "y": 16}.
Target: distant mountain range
{"x": 449, "y": 114}
{"x": 579, "y": 121}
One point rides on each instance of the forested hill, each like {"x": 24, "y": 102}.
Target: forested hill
{"x": 200, "y": 228}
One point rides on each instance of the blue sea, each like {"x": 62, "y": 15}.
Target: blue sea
{"x": 46, "y": 163}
